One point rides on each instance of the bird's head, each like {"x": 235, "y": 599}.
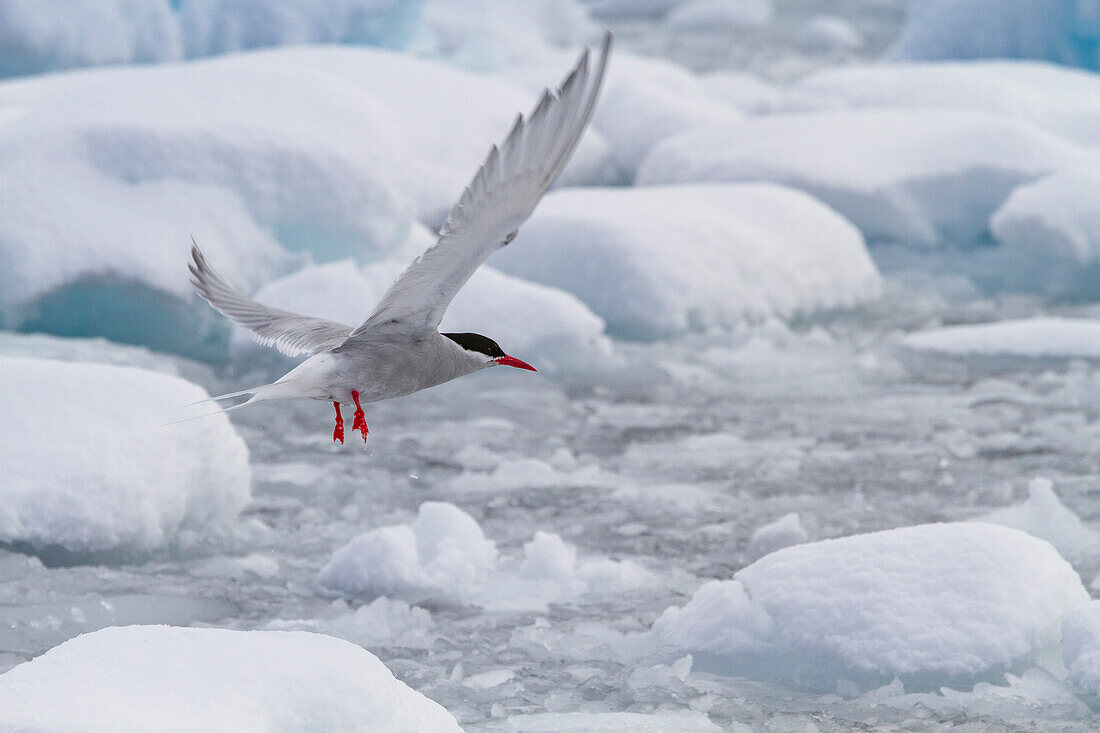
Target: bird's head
{"x": 486, "y": 351}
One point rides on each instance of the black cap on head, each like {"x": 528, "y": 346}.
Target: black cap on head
{"x": 477, "y": 342}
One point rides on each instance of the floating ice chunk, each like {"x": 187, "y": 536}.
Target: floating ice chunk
{"x": 443, "y": 551}
{"x": 1065, "y": 31}
{"x": 631, "y": 8}
{"x": 662, "y": 260}
{"x": 550, "y": 558}
{"x": 1065, "y": 102}
{"x": 937, "y": 605}
{"x": 382, "y": 621}
{"x": 1054, "y": 218}
{"x": 680, "y": 721}
{"x": 548, "y": 327}
{"x": 47, "y": 35}
{"x": 783, "y": 532}
{"x": 1041, "y": 337}
{"x": 1042, "y": 515}
{"x": 744, "y": 92}
{"x": 829, "y": 34}
{"x": 1081, "y": 646}
{"x": 926, "y": 177}
{"x": 144, "y": 677}
{"x": 720, "y": 14}
{"x": 127, "y": 484}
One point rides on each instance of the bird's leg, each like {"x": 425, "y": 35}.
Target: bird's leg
{"x": 360, "y": 422}
{"x": 338, "y": 431}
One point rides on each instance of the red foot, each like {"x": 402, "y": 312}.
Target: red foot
{"x": 338, "y": 431}
{"x": 360, "y": 422}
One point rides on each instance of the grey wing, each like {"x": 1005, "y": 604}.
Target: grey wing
{"x": 290, "y": 333}
{"x": 501, "y": 196}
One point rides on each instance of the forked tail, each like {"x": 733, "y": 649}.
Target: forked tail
{"x": 274, "y": 390}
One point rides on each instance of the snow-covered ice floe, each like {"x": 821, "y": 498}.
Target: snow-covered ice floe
{"x": 661, "y": 260}
{"x": 1043, "y": 337}
{"x": 714, "y": 15}
{"x": 1081, "y": 647}
{"x": 543, "y": 325}
{"x": 443, "y": 554}
{"x": 100, "y": 191}
{"x": 121, "y": 482}
{"x": 165, "y": 677}
{"x": 920, "y": 177}
{"x": 1043, "y": 515}
{"x": 935, "y": 605}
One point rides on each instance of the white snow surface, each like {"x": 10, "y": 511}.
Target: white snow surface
{"x": 444, "y": 555}
{"x": 661, "y": 260}
{"x": 932, "y": 603}
{"x": 545, "y": 326}
{"x": 1064, "y": 102}
{"x": 161, "y": 678}
{"x": 1056, "y": 217}
{"x": 783, "y": 532}
{"x": 922, "y": 177}
{"x": 123, "y": 482}
{"x": 714, "y": 15}
{"x": 1081, "y": 646}
{"x": 1044, "y": 516}
{"x": 1040, "y": 337}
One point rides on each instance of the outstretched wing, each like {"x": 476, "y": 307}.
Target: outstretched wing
{"x": 290, "y": 333}
{"x": 501, "y": 196}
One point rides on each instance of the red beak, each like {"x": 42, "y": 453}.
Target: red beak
{"x": 514, "y": 362}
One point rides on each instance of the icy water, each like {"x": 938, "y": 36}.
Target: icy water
{"x": 671, "y": 459}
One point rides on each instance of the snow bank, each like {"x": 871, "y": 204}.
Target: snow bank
{"x": 106, "y": 172}
{"x": 1065, "y": 102}
{"x": 444, "y": 555}
{"x": 1044, "y": 516}
{"x": 547, "y": 327}
{"x": 938, "y": 604}
{"x": 1081, "y": 646}
{"x": 720, "y": 14}
{"x": 122, "y": 482}
{"x": 1064, "y": 31}
{"x": 1056, "y": 222}
{"x": 661, "y": 260}
{"x": 157, "y": 677}
{"x": 926, "y": 177}
{"x": 1042, "y": 337}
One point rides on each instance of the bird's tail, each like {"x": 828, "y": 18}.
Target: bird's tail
{"x": 274, "y": 390}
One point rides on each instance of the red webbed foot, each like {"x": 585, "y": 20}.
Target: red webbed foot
{"x": 360, "y": 422}
{"x": 338, "y": 431}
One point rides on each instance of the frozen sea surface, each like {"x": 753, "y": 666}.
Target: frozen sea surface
{"x": 672, "y": 463}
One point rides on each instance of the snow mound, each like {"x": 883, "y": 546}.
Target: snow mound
{"x": 1081, "y": 646}
{"x": 658, "y": 261}
{"x": 125, "y": 484}
{"x": 1065, "y": 102}
{"x": 1055, "y": 222}
{"x": 925, "y": 177}
{"x": 1041, "y": 337}
{"x": 159, "y": 677}
{"x": 744, "y": 92}
{"x": 829, "y": 34}
{"x": 720, "y": 14}
{"x": 1044, "y": 516}
{"x": 548, "y": 327}
{"x": 937, "y": 605}
{"x": 445, "y": 555}
{"x": 1064, "y": 31}
{"x": 783, "y": 532}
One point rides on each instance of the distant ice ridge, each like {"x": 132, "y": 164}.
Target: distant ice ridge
{"x": 936, "y": 605}
{"x": 99, "y": 193}
{"x": 443, "y": 554}
{"x": 1063, "y": 31}
{"x": 1042, "y": 337}
{"x": 923, "y": 177}
{"x": 158, "y": 677}
{"x": 122, "y": 483}
{"x": 661, "y": 260}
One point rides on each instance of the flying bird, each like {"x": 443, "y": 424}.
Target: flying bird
{"x": 398, "y": 349}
